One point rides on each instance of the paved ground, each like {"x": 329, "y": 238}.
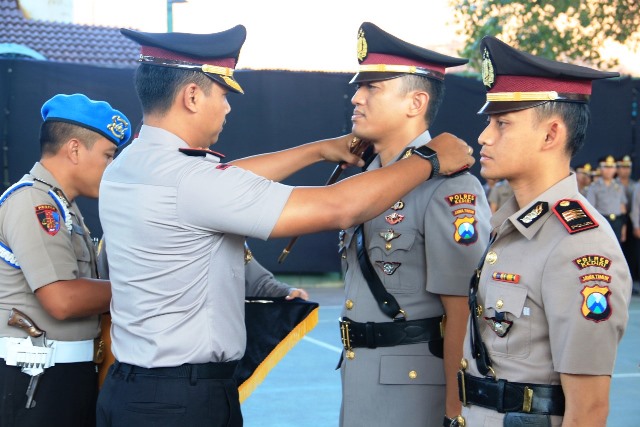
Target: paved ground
{"x": 304, "y": 389}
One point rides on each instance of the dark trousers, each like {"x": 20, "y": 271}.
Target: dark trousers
{"x": 65, "y": 396}
{"x": 137, "y": 397}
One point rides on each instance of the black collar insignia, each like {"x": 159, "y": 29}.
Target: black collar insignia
{"x": 202, "y": 152}
{"x": 535, "y": 213}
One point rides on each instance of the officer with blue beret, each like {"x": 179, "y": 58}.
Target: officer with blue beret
{"x": 48, "y": 268}
{"x": 176, "y": 259}
{"x": 554, "y": 282}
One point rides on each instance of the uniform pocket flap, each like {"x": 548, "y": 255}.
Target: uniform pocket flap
{"x": 411, "y": 370}
{"x": 403, "y": 242}
{"x": 506, "y": 298}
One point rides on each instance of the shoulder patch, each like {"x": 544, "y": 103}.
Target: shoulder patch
{"x": 461, "y": 198}
{"x": 592, "y": 261}
{"x": 200, "y": 152}
{"x": 595, "y": 303}
{"x": 49, "y": 218}
{"x": 465, "y": 232}
{"x": 533, "y": 214}
{"x": 573, "y": 216}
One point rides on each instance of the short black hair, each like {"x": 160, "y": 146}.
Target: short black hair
{"x": 576, "y": 117}
{"x": 435, "y": 89}
{"x": 157, "y": 86}
{"x": 54, "y": 134}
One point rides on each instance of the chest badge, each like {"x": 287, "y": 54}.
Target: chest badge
{"x": 399, "y": 205}
{"x": 491, "y": 257}
{"x": 394, "y": 218}
{"x": 388, "y": 267}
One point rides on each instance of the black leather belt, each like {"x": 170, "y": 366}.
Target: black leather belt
{"x": 504, "y": 396}
{"x": 221, "y": 370}
{"x": 389, "y": 334}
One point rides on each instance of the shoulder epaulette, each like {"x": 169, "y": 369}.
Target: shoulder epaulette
{"x": 574, "y": 216}
{"x": 200, "y": 152}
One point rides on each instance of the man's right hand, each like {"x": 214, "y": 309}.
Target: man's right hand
{"x": 454, "y": 154}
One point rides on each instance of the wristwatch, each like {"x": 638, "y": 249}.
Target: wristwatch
{"x": 430, "y": 155}
{"x": 454, "y": 422}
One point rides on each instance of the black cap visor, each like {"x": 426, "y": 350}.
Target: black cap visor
{"x": 227, "y": 82}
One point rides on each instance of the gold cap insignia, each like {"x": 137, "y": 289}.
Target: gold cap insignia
{"x": 488, "y": 75}
{"x": 232, "y": 83}
{"x": 118, "y": 127}
{"x": 362, "y": 45}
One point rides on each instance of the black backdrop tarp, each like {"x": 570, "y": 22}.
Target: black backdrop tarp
{"x": 280, "y": 109}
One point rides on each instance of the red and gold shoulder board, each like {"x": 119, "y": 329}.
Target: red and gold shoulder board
{"x": 574, "y": 216}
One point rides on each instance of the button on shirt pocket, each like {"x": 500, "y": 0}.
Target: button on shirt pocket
{"x": 411, "y": 369}
{"x": 509, "y": 299}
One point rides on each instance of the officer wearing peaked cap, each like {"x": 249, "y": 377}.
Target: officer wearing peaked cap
{"x": 48, "y": 267}
{"x": 554, "y": 280}
{"x": 584, "y": 176}
{"x": 176, "y": 259}
{"x": 404, "y": 377}
{"x": 609, "y": 197}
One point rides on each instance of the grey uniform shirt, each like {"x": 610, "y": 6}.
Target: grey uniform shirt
{"x": 500, "y": 193}
{"x": 175, "y": 226}
{"x": 607, "y": 199}
{"x": 33, "y": 228}
{"x": 566, "y": 294}
{"x": 424, "y": 246}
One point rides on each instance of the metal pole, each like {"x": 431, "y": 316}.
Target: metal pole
{"x": 169, "y": 16}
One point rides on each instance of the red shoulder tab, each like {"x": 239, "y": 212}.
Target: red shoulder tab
{"x": 202, "y": 152}
{"x": 574, "y": 216}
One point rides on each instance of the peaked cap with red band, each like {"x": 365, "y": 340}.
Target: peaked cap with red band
{"x": 383, "y": 56}
{"x": 216, "y": 55}
{"x": 517, "y": 80}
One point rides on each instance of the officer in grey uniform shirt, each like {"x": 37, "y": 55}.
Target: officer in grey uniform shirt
{"x": 623, "y": 177}
{"x": 48, "y": 268}
{"x": 609, "y": 197}
{"x": 499, "y": 195}
{"x": 176, "y": 257}
{"x": 421, "y": 251}
{"x": 549, "y": 303}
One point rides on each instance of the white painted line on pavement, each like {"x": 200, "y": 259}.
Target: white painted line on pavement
{"x": 323, "y": 344}
{"x": 636, "y": 375}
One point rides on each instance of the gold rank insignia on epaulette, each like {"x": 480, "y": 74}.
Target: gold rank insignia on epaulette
{"x": 573, "y": 216}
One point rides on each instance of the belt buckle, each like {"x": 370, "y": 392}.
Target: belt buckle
{"x": 344, "y": 334}
{"x": 463, "y": 387}
{"x": 528, "y": 399}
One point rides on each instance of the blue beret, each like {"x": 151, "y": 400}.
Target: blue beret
{"x": 97, "y": 116}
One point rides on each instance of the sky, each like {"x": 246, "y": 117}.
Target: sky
{"x": 286, "y": 34}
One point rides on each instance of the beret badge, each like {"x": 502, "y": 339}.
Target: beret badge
{"x": 118, "y": 127}
{"x": 488, "y": 74}
{"x": 362, "y": 46}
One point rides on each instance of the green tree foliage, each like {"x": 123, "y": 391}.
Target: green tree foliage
{"x": 557, "y": 29}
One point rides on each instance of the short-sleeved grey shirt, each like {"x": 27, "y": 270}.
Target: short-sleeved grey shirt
{"x": 176, "y": 226}
{"x": 47, "y": 250}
